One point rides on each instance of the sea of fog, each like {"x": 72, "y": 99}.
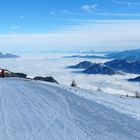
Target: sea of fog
{"x": 54, "y": 64}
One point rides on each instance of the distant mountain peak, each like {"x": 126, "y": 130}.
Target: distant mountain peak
{"x": 81, "y": 65}
{"x": 98, "y": 68}
{"x": 8, "y": 55}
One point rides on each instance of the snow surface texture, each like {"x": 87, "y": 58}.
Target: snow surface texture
{"x": 32, "y": 110}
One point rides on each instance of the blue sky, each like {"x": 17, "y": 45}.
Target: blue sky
{"x": 26, "y": 20}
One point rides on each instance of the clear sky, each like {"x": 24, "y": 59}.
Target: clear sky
{"x": 69, "y": 24}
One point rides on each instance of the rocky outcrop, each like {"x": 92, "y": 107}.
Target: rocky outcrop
{"x": 23, "y": 75}
{"x": 12, "y": 74}
{"x": 46, "y": 79}
{"x": 19, "y": 75}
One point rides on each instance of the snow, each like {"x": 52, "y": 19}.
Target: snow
{"x": 122, "y": 104}
{"x": 33, "y": 110}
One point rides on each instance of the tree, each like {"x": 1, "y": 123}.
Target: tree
{"x": 99, "y": 89}
{"x": 73, "y": 84}
{"x": 137, "y": 94}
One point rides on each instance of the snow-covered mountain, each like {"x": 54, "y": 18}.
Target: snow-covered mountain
{"x": 81, "y": 65}
{"x": 100, "y": 69}
{"x": 33, "y": 110}
{"x": 124, "y": 65}
{"x": 94, "y": 68}
{"x": 127, "y": 54}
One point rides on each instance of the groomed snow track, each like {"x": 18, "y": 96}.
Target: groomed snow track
{"x": 30, "y": 110}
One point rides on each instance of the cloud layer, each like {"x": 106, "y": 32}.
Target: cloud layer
{"x": 94, "y": 34}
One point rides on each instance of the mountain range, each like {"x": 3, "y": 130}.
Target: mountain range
{"x": 124, "y": 65}
{"x": 133, "y": 55}
{"x": 109, "y": 67}
{"x": 8, "y": 55}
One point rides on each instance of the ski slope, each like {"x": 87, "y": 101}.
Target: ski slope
{"x": 32, "y": 110}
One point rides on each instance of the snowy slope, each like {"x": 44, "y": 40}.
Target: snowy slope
{"x": 30, "y": 110}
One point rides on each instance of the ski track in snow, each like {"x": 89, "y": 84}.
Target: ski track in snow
{"x": 30, "y": 110}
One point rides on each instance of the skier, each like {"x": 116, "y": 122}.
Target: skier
{"x": 2, "y": 73}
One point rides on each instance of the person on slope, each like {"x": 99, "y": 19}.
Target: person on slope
{"x": 2, "y": 73}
